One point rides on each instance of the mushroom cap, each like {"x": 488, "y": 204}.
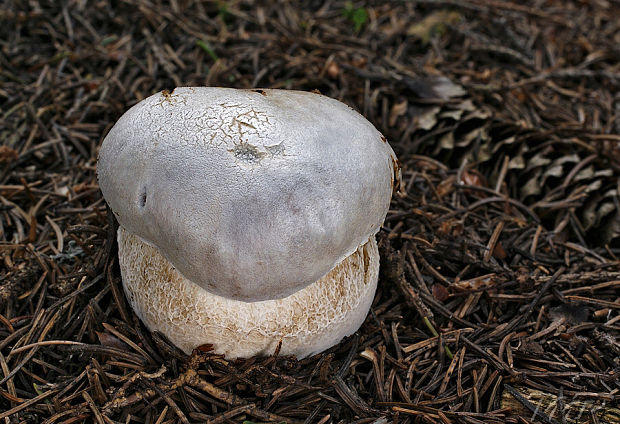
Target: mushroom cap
{"x": 251, "y": 194}
{"x": 307, "y": 322}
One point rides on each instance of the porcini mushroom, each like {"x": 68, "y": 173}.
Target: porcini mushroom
{"x": 248, "y": 217}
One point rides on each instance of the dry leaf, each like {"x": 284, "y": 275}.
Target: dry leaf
{"x": 529, "y": 347}
{"x": 499, "y": 252}
{"x": 440, "y": 292}
{"x": 205, "y": 348}
{"x": 573, "y": 314}
{"x": 8, "y": 154}
{"x": 445, "y": 89}
{"x": 398, "y": 109}
{"x": 433, "y": 25}
{"x": 428, "y": 119}
{"x": 107, "y": 339}
{"x": 333, "y": 70}
{"x": 473, "y": 178}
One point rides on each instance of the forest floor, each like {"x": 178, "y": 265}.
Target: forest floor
{"x": 499, "y": 294}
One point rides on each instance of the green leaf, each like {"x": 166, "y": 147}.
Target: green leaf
{"x": 358, "y": 16}
{"x": 207, "y": 48}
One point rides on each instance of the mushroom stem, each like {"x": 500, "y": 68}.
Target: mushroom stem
{"x": 308, "y": 321}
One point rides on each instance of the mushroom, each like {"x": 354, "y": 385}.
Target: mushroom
{"x": 248, "y": 217}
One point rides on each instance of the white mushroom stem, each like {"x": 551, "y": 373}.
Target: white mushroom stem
{"x": 308, "y": 321}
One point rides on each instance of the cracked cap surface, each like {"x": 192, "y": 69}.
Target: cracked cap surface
{"x": 251, "y": 194}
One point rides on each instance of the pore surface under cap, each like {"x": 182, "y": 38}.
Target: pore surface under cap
{"x": 251, "y": 194}
{"x": 309, "y": 321}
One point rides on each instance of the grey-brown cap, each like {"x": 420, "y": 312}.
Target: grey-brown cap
{"x": 250, "y": 194}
